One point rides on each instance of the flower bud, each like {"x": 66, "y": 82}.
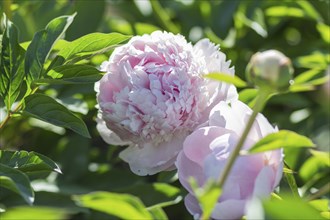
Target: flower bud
{"x": 270, "y": 70}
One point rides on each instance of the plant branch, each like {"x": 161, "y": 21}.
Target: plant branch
{"x": 260, "y": 102}
{"x": 17, "y": 108}
{"x": 324, "y": 190}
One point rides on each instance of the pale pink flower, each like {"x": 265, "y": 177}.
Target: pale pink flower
{"x": 154, "y": 94}
{"x": 205, "y": 153}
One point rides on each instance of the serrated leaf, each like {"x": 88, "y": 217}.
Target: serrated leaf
{"x": 235, "y": 80}
{"x": 41, "y": 45}
{"x": 124, "y": 206}
{"x": 71, "y": 74}
{"x": 47, "y": 109}
{"x": 281, "y": 139}
{"x": 87, "y": 45}
{"x": 27, "y": 161}
{"x": 11, "y": 64}
{"x": 17, "y": 182}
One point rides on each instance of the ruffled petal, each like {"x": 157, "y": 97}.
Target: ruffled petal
{"x": 149, "y": 159}
{"x": 109, "y": 136}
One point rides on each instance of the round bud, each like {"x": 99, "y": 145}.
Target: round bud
{"x": 270, "y": 70}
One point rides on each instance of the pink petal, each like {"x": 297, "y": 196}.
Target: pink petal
{"x": 229, "y": 209}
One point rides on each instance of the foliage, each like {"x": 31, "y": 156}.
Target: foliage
{"x": 49, "y": 63}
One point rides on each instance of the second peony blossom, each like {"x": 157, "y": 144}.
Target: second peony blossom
{"x": 154, "y": 94}
{"x": 205, "y": 154}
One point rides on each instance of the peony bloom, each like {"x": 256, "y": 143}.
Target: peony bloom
{"x": 205, "y": 153}
{"x": 154, "y": 94}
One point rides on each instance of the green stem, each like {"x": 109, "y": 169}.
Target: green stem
{"x": 324, "y": 190}
{"x": 18, "y": 107}
{"x": 260, "y": 103}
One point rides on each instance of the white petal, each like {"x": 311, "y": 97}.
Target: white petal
{"x": 107, "y": 135}
{"x": 149, "y": 159}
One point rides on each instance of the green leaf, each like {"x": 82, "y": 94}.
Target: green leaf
{"x": 315, "y": 166}
{"x": 290, "y": 208}
{"x": 47, "y": 109}
{"x": 308, "y": 75}
{"x": 309, "y": 10}
{"x": 281, "y": 139}
{"x": 289, "y": 176}
{"x": 41, "y": 45}
{"x": 235, "y": 80}
{"x": 207, "y": 195}
{"x": 28, "y": 161}
{"x": 124, "y": 206}
{"x": 89, "y": 44}
{"x": 11, "y": 64}
{"x": 324, "y": 31}
{"x": 317, "y": 60}
{"x": 71, "y": 74}
{"x": 17, "y": 182}
{"x": 284, "y": 11}
{"x": 156, "y": 194}
{"x": 158, "y": 213}
{"x": 320, "y": 204}
{"x": 321, "y": 156}
{"x": 248, "y": 95}
{"x": 35, "y": 213}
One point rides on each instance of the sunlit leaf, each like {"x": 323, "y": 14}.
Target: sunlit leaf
{"x": 207, "y": 196}
{"x": 284, "y": 11}
{"x": 35, "y": 213}
{"x": 324, "y": 31}
{"x": 315, "y": 166}
{"x": 316, "y": 60}
{"x": 257, "y": 27}
{"x": 157, "y": 213}
{"x": 308, "y": 75}
{"x": 248, "y": 95}
{"x": 28, "y": 161}
{"x": 289, "y": 176}
{"x": 235, "y": 80}
{"x": 17, "y": 182}
{"x": 47, "y": 109}
{"x": 124, "y": 206}
{"x": 71, "y": 74}
{"x": 87, "y": 45}
{"x": 320, "y": 204}
{"x": 290, "y": 208}
{"x": 281, "y": 139}
{"x": 301, "y": 88}
{"x": 309, "y": 10}
{"x": 11, "y": 64}
{"x": 41, "y": 45}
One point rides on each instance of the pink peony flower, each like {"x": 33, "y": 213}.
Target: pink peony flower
{"x": 205, "y": 153}
{"x": 154, "y": 94}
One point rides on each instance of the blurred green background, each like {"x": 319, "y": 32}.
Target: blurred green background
{"x": 299, "y": 29}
